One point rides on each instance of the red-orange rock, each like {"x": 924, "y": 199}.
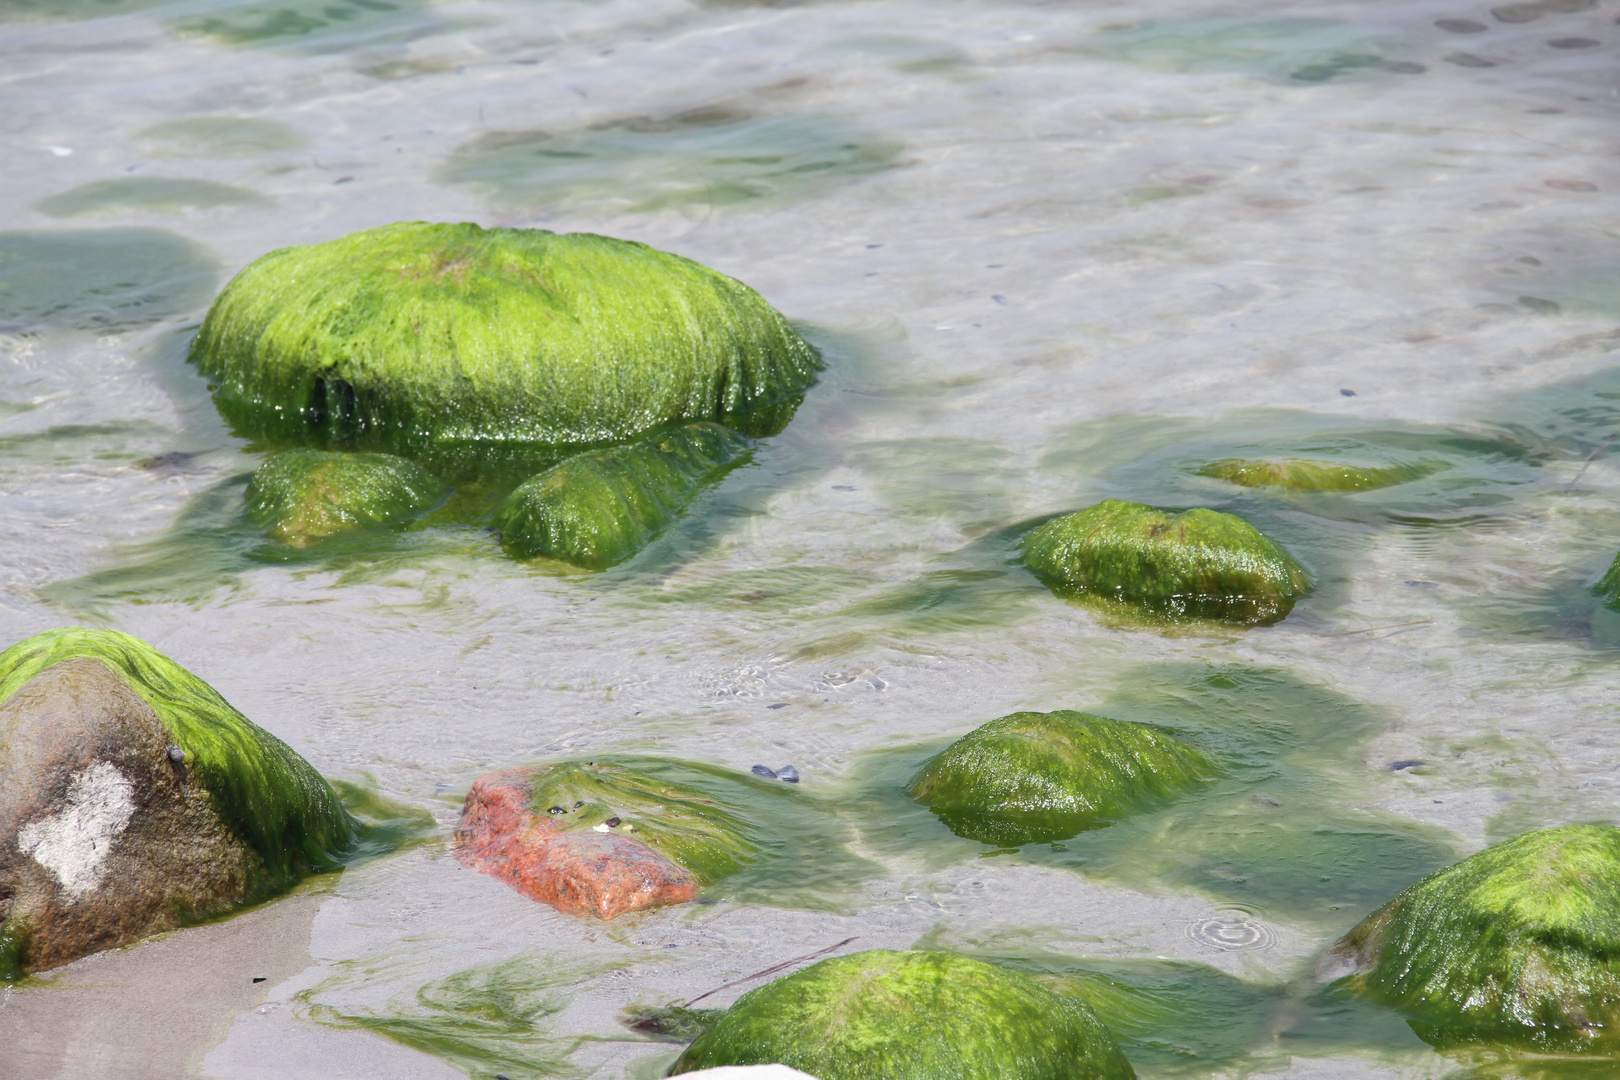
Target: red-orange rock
{"x": 581, "y": 873}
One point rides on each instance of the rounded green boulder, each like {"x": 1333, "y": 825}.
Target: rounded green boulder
{"x": 1517, "y": 943}
{"x": 1037, "y": 777}
{"x": 422, "y": 336}
{"x": 1305, "y": 474}
{"x": 600, "y": 507}
{"x": 1198, "y": 563}
{"x": 300, "y": 496}
{"x": 883, "y": 1015}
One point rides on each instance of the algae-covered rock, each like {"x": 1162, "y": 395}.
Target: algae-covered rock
{"x": 136, "y": 799}
{"x": 421, "y": 335}
{"x": 599, "y": 838}
{"x": 1199, "y": 563}
{"x": 1304, "y": 474}
{"x": 1035, "y": 777}
{"x": 1517, "y": 942}
{"x": 882, "y": 1015}
{"x": 600, "y": 507}
{"x": 304, "y": 495}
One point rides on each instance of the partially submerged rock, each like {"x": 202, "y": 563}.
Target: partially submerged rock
{"x": 882, "y": 1015}
{"x": 419, "y": 334}
{"x": 136, "y": 799}
{"x": 1305, "y": 474}
{"x": 1516, "y": 943}
{"x": 1036, "y": 777}
{"x": 598, "y": 838}
{"x": 600, "y": 507}
{"x": 1199, "y": 563}
{"x": 300, "y": 496}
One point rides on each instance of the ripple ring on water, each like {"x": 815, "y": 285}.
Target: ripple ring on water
{"x": 1232, "y": 931}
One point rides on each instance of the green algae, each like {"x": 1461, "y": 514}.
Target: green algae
{"x": 158, "y": 194}
{"x": 599, "y": 508}
{"x": 416, "y": 335}
{"x": 718, "y": 156}
{"x": 1298, "y": 49}
{"x": 1037, "y": 777}
{"x": 915, "y": 1015}
{"x": 1198, "y": 563}
{"x": 220, "y": 136}
{"x": 753, "y": 838}
{"x": 300, "y": 496}
{"x": 274, "y": 801}
{"x": 315, "y": 24}
{"x": 1301, "y": 474}
{"x": 100, "y": 279}
{"x": 1515, "y": 943}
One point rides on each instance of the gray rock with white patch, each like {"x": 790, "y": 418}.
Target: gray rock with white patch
{"x": 104, "y": 838}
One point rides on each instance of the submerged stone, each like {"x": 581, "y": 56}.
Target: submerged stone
{"x": 136, "y": 800}
{"x": 600, "y": 507}
{"x": 1514, "y": 943}
{"x": 1303, "y": 474}
{"x": 1199, "y": 563}
{"x": 882, "y": 1015}
{"x": 597, "y": 838}
{"x": 1037, "y": 777}
{"x": 300, "y": 496}
{"x": 426, "y": 335}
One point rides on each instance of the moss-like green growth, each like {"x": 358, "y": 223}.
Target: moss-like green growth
{"x": 1517, "y": 942}
{"x": 1198, "y": 563}
{"x": 160, "y": 194}
{"x": 1608, "y": 586}
{"x": 423, "y": 335}
{"x": 1304, "y": 474}
{"x": 686, "y": 826}
{"x": 600, "y": 507}
{"x": 273, "y": 799}
{"x": 303, "y": 495}
{"x": 882, "y": 1015}
{"x": 1036, "y": 777}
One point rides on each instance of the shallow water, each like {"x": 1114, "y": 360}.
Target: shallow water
{"x": 1052, "y": 253}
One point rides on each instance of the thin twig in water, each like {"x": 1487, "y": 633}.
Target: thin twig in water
{"x": 771, "y": 970}
{"x": 1395, "y": 626}
{"x": 1593, "y": 456}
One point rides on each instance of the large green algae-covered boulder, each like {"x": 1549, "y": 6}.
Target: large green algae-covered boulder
{"x": 1306, "y": 474}
{"x": 1199, "y": 563}
{"x": 416, "y": 335}
{"x": 1036, "y": 777}
{"x": 1518, "y": 943}
{"x": 882, "y": 1015}
{"x": 136, "y": 799}
{"x": 600, "y": 507}
{"x": 301, "y": 496}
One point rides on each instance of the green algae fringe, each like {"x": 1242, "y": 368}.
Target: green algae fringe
{"x": 1305, "y": 474}
{"x": 300, "y": 496}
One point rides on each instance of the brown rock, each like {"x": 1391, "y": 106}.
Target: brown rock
{"x": 103, "y": 838}
{"x": 581, "y": 873}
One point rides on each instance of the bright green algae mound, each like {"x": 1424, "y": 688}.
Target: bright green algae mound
{"x": 1035, "y": 777}
{"x": 1199, "y": 563}
{"x": 1304, "y": 474}
{"x": 300, "y": 496}
{"x": 423, "y": 335}
{"x": 688, "y": 827}
{"x": 273, "y": 799}
{"x": 600, "y": 507}
{"x": 882, "y": 1015}
{"x": 1520, "y": 942}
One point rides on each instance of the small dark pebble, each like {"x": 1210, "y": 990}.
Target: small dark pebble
{"x": 579, "y": 804}
{"x": 177, "y": 755}
{"x": 343, "y": 180}
{"x": 1347, "y": 393}
{"x": 1519, "y": 13}
{"x": 998, "y": 298}
{"x": 557, "y": 810}
{"x": 1422, "y": 584}
{"x": 168, "y": 464}
{"x": 1461, "y": 26}
{"x": 778, "y": 705}
{"x": 612, "y": 823}
{"x": 1462, "y": 59}
{"x": 1397, "y": 766}
{"x": 1574, "y": 43}
{"x": 760, "y": 770}
{"x": 845, "y": 487}
{"x": 870, "y": 247}
{"x": 1540, "y": 306}
{"x": 1265, "y": 800}
{"x": 1405, "y": 67}
{"x": 788, "y": 773}
{"x": 260, "y": 978}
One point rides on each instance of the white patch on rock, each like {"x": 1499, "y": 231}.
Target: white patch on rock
{"x": 74, "y": 842}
